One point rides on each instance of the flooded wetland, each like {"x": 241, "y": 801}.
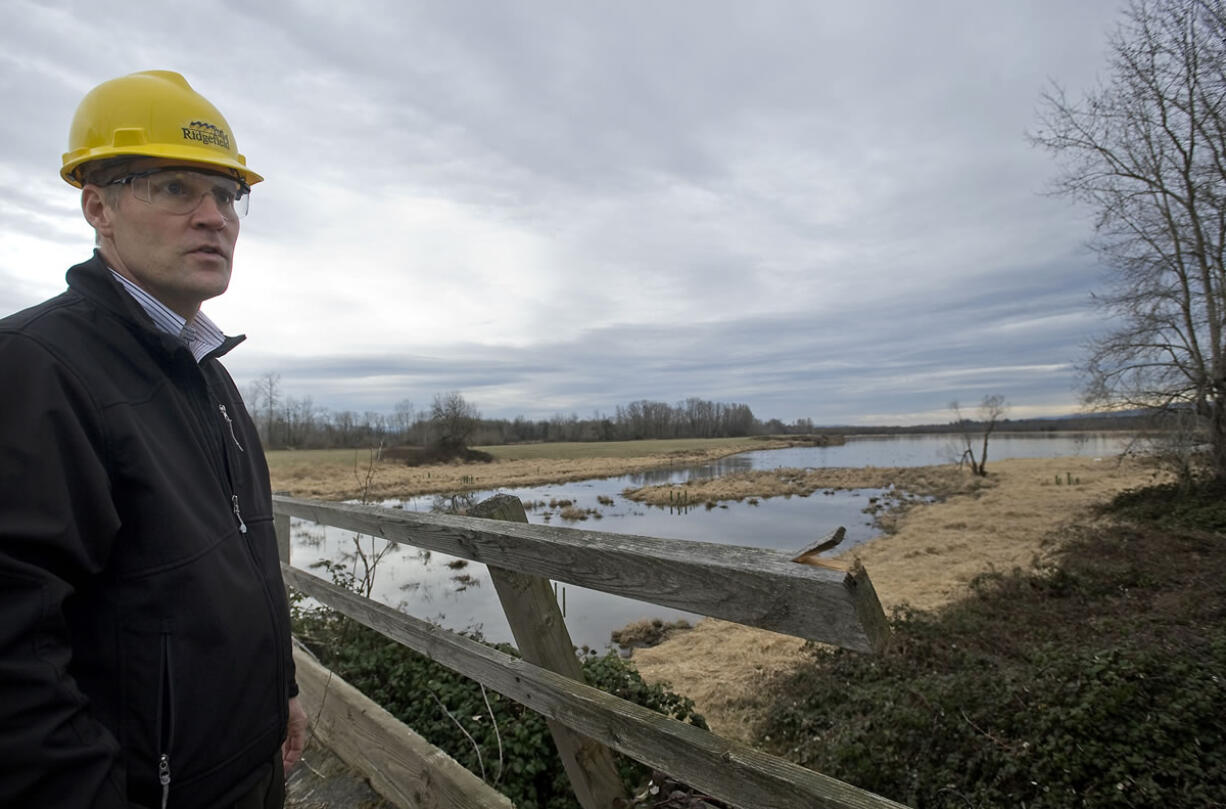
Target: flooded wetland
{"x": 730, "y": 500}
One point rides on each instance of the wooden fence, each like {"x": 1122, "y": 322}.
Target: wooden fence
{"x": 751, "y": 586}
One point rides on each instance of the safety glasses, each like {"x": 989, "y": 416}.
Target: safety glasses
{"x": 180, "y": 191}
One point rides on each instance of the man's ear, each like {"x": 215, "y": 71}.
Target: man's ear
{"x": 96, "y": 210}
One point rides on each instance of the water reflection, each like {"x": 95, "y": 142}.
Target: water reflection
{"x": 461, "y": 596}
{"x": 450, "y": 503}
{"x": 723, "y": 466}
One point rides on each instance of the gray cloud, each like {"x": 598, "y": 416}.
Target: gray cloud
{"x": 819, "y": 210}
{"x": 908, "y": 357}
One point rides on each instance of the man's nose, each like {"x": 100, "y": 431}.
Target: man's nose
{"x": 208, "y": 213}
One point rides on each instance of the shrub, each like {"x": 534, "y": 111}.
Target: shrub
{"x": 942, "y": 725}
{"x": 647, "y": 632}
{"x": 1093, "y": 681}
{"x": 436, "y": 454}
{"x": 513, "y": 750}
{"x": 1199, "y": 505}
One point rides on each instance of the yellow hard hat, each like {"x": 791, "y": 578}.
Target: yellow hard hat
{"x": 154, "y": 113}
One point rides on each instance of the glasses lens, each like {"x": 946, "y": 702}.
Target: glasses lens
{"x": 181, "y": 192}
{"x": 242, "y": 199}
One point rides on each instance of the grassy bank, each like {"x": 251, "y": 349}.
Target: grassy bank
{"x": 341, "y": 474}
{"x": 916, "y": 481}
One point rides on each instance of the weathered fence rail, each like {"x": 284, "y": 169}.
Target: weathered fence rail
{"x": 400, "y": 765}
{"x": 751, "y": 586}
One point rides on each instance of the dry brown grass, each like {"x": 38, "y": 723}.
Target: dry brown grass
{"x": 937, "y": 549}
{"x": 928, "y": 561}
{"x": 935, "y": 481}
{"x": 340, "y": 475}
{"x": 636, "y": 449}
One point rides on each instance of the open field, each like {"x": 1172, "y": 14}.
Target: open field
{"x": 571, "y": 450}
{"x": 340, "y": 474}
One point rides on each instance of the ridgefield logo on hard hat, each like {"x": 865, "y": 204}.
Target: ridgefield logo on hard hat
{"x": 206, "y": 133}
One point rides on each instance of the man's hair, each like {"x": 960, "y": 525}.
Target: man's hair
{"x": 103, "y": 172}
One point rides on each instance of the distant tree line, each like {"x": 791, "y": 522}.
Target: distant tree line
{"x": 644, "y": 419}
{"x": 451, "y": 421}
{"x": 288, "y": 422}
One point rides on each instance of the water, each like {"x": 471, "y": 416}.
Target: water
{"x": 459, "y": 595}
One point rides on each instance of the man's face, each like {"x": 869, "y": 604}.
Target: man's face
{"x": 182, "y": 259}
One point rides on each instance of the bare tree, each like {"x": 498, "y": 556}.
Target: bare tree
{"x": 267, "y": 395}
{"x": 453, "y": 420}
{"x": 1147, "y": 150}
{"x": 991, "y": 409}
{"x": 300, "y": 420}
{"x": 402, "y": 420}
{"x": 366, "y": 562}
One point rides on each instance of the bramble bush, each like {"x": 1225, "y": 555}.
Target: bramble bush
{"x": 1097, "y": 681}
{"x": 1063, "y": 727}
{"x": 502, "y": 741}
{"x": 1200, "y": 506}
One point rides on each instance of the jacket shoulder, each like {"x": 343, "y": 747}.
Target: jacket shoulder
{"x": 84, "y": 345}
{"x": 32, "y": 318}
{"x": 55, "y": 326}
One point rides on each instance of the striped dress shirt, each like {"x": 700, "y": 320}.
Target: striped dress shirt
{"x": 200, "y": 335}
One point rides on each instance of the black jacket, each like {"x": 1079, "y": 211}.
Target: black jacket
{"x": 143, "y": 620}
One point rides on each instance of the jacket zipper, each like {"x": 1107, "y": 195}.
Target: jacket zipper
{"x": 238, "y": 514}
{"x": 230, "y": 424}
{"x": 166, "y": 719}
{"x": 227, "y": 466}
{"x": 164, "y": 777}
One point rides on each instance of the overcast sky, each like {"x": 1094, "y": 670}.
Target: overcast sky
{"x": 816, "y": 208}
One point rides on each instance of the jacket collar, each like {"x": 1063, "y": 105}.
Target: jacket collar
{"x": 92, "y": 280}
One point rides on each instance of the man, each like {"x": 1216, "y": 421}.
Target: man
{"x": 144, "y": 634}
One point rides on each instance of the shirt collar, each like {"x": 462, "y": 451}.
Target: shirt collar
{"x": 201, "y": 335}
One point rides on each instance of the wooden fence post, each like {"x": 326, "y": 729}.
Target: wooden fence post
{"x": 280, "y": 524}
{"x": 542, "y": 638}
{"x": 864, "y": 596}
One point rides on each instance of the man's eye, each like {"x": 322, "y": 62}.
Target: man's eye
{"x": 174, "y": 188}
{"x": 223, "y": 196}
